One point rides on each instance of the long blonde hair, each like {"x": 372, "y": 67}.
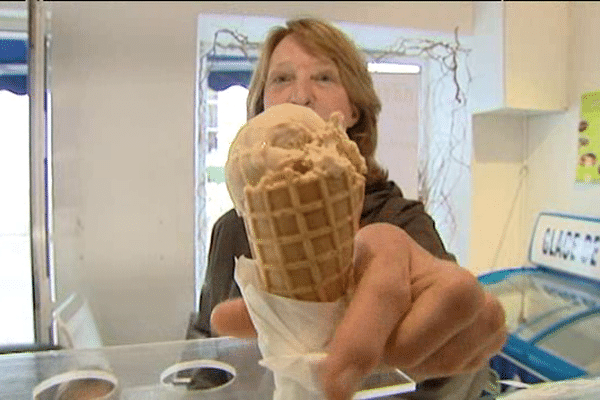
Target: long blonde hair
{"x": 321, "y": 38}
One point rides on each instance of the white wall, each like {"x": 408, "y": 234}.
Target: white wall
{"x": 553, "y": 139}
{"x": 500, "y": 175}
{"x": 546, "y": 145}
{"x": 122, "y": 79}
{"x": 123, "y": 94}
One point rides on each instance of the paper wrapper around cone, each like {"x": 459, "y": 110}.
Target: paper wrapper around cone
{"x": 301, "y": 231}
{"x": 292, "y": 334}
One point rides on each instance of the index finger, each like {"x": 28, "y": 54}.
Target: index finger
{"x": 381, "y": 298}
{"x": 231, "y": 318}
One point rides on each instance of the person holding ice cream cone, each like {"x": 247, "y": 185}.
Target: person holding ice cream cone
{"x": 412, "y": 306}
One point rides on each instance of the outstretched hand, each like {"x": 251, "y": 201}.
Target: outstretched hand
{"x": 427, "y": 316}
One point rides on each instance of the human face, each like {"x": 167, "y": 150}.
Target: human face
{"x": 297, "y": 77}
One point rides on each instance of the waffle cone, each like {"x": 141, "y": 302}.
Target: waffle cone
{"x": 301, "y": 232}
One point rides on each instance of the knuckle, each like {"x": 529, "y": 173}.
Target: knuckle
{"x": 456, "y": 358}
{"x": 363, "y": 354}
{"x": 447, "y": 366}
{"x": 407, "y": 357}
{"x": 495, "y": 314}
{"x": 451, "y": 361}
{"x": 476, "y": 364}
{"x": 464, "y": 295}
{"x": 393, "y": 294}
{"x": 501, "y": 338}
{"x": 495, "y": 347}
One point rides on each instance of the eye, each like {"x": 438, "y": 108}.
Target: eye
{"x": 325, "y": 77}
{"x": 280, "y": 78}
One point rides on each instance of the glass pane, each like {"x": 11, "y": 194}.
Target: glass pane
{"x": 578, "y": 343}
{"x": 533, "y": 305}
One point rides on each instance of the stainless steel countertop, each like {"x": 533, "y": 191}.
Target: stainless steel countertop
{"x": 138, "y": 369}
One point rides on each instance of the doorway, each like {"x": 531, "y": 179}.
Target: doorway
{"x": 225, "y": 113}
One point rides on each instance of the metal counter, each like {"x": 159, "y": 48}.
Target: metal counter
{"x": 138, "y": 369}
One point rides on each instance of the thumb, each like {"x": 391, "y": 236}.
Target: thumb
{"x": 338, "y": 379}
{"x": 231, "y": 318}
{"x": 381, "y": 298}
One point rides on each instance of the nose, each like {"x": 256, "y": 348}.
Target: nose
{"x": 301, "y": 93}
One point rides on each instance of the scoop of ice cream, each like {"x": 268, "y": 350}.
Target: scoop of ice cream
{"x": 286, "y": 140}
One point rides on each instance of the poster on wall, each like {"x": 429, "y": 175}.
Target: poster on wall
{"x": 588, "y": 164}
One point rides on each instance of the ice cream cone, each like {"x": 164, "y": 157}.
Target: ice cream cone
{"x": 298, "y": 182}
{"x": 301, "y": 231}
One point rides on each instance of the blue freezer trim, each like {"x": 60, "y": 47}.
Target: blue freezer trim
{"x": 551, "y": 366}
{"x": 507, "y": 368}
{"x": 561, "y": 324}
{"x": 489, "y": 278}
{"x": 546, "y": 364}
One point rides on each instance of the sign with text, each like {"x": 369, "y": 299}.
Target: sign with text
{"x": 567, "y": 242}
{"x": 588, "y": 163}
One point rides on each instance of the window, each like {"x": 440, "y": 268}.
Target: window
{"x": 16, "y": 284}
{"x": 21, "y": 323}
{"x": 16, "y": 297}
{"x": 228, "y": 108}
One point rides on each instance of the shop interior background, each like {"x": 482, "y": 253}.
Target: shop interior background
{"x": 123, "y": 84}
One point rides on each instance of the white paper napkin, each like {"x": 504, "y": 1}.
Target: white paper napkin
{"x": 292, "y": 334}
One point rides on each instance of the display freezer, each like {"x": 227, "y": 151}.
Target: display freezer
{"x": 552, "y": 305}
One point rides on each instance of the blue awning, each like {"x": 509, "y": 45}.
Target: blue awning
{"x": 225, "y": 71}
{"x": 13, "y": 65}
{"x": 221, "y": 80}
